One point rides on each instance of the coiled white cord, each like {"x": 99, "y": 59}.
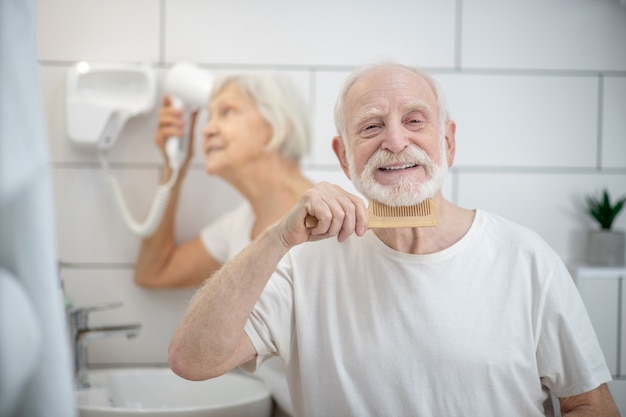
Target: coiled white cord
{"x": 159, "y": 203}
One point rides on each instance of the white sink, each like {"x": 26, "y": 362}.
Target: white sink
{"x": 132, "y": 392}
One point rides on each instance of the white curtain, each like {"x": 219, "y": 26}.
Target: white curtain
{"x": 35, "y": 364}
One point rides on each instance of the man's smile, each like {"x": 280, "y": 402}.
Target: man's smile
{"x": 398, "y": 167}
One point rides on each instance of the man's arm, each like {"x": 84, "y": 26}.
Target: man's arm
{"x": 211, "y": 340}
{"x": 595, "y": 403}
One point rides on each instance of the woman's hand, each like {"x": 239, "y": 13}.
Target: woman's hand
{"x": 172, "y": 123}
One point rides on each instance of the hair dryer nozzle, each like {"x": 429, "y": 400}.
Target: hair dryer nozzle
{"x": 189, "y": 83}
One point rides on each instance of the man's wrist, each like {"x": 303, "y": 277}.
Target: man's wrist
{"x": 274, "y": 232}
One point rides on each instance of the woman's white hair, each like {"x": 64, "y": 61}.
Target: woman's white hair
{"x": 281, "y": 105}
{"x": 340, "y": 110}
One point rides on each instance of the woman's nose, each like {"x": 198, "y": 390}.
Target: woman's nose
{"x": 209, "y": 129}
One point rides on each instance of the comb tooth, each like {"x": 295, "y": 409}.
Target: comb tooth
{"x": 418, "y": 215}
{"x": 421, "y": 209}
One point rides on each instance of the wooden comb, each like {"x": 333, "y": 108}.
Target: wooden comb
{"x": 382, "y": 216}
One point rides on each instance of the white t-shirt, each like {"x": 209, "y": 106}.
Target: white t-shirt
{"x": 483, "y": 328}
{"x": 229, "y": 234}
{"x": 224, "y": 239}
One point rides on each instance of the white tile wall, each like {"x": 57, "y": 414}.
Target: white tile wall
{"x": 89, "y": 227}
{"x": 538, "y": 90}
{"x": 523, "y": 121}
{"x": 544, "y": 35}
{"x": 324, "y": 32}
{"x": 327, "y": 84}
{"x": 551, "y": 204}
{"x": 112, "y": 30}
{"x": 614, "y": 123}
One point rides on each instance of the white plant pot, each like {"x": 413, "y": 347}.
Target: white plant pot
{"x": 606, "y": 247}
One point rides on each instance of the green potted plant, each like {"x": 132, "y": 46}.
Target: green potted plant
{"x": 606, "y": 246}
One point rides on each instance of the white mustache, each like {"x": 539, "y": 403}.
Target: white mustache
{"x": 413, "y": 155}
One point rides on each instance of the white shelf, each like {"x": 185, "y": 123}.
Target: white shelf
{"x": 603, "y": 291}
{"x": 587, "y": 271}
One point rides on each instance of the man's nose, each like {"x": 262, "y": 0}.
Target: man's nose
{"x": 396, "y": 138}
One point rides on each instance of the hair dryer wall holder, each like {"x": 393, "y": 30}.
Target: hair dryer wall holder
{"x": 101, "y": 97}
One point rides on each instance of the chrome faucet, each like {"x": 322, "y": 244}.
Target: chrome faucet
{"x": 82, "y": 334}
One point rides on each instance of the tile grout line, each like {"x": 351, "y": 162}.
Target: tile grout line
{"x": 599, "y": 121}
{"x": 458, "y": 44}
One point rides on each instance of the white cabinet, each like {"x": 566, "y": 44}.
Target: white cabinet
{"x": 603, "y": 290}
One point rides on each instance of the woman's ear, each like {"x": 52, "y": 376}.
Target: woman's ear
{"x": 339, "y": 147}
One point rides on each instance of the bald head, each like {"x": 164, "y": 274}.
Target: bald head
{"x": 386, "y": 70}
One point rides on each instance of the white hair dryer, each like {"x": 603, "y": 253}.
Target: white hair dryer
{"x": 188, "y": 87}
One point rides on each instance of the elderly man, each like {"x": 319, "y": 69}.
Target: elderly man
{"x": 476, "y": 316}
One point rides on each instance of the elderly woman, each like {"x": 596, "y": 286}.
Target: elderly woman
{"x": 256, "y": 134}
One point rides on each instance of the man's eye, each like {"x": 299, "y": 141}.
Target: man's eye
{"x": 370, "y": 130}
{"x": 414, "y": 118}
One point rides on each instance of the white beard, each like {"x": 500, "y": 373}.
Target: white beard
{"x": 406, "y": 191}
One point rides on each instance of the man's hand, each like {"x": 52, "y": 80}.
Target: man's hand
{"x": 338, "y": 213}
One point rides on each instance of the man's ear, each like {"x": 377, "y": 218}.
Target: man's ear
{"x": 450, "y": 142}
{"x": 339, "y": 147}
